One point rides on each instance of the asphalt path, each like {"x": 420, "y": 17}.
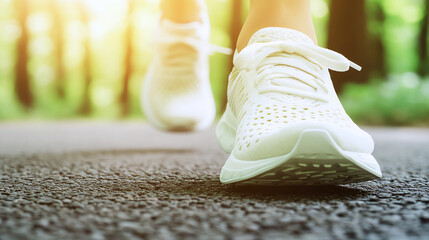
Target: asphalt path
{"x": 126, "y": 180}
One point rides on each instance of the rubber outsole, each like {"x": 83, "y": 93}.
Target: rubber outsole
{"x": 298, "y": 171}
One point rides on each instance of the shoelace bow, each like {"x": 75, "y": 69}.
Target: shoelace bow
{"x": 273, "y": 65}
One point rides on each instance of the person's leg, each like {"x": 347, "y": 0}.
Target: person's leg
{"x": 294, "y": 14}
{"x": 182, "y": 11}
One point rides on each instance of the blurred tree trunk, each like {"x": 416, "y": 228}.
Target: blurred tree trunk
{"x": 348, "y": 35}
{"x": 235, "y": 28}
{"x": 376, "y": 53}
{"x": 125, "y": 96}
{"x": 22, "y": 80}
{"x": 85, "y": 107}
{"x": 57, "y": 28}
{"x": 423, "y": 42}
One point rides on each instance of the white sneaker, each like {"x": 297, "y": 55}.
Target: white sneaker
{"x": 284, "y": 123}
{"x": 176, "y": 94}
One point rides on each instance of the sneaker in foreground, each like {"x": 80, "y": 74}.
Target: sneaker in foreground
{"x": 284, "y": 123}
{"x": 176, "y": 94}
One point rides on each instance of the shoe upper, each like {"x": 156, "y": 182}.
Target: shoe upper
{"x": 280, "y": 85}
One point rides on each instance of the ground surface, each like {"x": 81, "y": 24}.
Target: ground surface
{"x": 128, "y": 181}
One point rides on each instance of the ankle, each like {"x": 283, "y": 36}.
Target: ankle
{"x": 293, "y": 14}
{"x": 182, "y": 11}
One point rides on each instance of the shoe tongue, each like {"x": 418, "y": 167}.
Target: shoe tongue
{"x": 279, "y": 34}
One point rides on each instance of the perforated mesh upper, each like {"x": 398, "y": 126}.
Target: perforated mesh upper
{"x": 183, "y": 79}
{"x": 267, "y": 116}
{"x": 260, "y": 115}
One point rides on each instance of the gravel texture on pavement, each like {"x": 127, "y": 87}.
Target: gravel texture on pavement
{"x": 89, "y": 180}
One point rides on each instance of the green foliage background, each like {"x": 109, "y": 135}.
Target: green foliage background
{"x": 401, "y": 98}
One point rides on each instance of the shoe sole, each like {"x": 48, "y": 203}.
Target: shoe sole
{"x": 316, "y": 159}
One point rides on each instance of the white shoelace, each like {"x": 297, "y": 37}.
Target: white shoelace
{"x": 291, "y": 68}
